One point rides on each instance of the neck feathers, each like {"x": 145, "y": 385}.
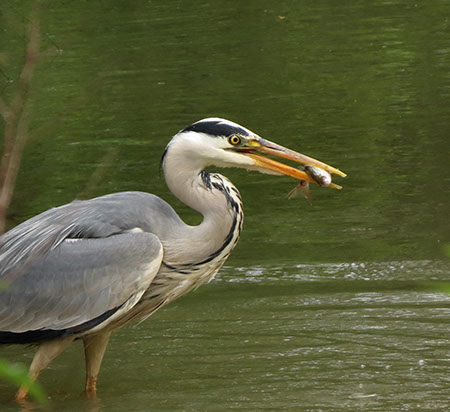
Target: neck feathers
{"x": 215, "y": 197}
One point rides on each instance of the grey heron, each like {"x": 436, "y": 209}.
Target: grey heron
{"x": 81, "y": 270}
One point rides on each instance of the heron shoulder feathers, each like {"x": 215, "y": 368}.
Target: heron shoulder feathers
{"x": 97, "y": 218}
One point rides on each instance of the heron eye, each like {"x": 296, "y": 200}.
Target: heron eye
{"x": 234, "y": 140}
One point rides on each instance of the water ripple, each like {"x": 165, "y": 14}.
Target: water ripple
{"x": 420, "y": 270}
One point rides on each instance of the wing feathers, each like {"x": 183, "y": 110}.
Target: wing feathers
{"x": 79, "y": 281}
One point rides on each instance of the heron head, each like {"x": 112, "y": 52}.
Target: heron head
{"x": 220, "y": 142}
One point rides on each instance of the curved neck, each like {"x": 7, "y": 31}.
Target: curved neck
{"x": 215, "y": 198}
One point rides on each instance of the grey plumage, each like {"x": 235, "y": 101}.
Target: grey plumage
{"x": 78, "y": 261}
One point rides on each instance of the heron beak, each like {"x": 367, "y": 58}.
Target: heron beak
{"x": 260, "y": 145}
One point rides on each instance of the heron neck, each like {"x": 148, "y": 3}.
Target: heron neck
{"x": 215, "y": 198}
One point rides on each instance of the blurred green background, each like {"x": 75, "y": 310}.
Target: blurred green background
{"x": 363, "y": 86}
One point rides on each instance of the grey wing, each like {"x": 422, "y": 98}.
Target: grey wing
{"x": 80, "y": 281}
{"x": 100, "y": 217}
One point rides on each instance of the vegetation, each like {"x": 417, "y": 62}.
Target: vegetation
{"x": 15, "y": 114}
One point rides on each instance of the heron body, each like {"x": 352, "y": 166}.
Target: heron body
{"x": 81, "y": 270}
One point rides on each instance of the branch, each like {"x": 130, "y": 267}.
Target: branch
{"x": 16, "y": 117}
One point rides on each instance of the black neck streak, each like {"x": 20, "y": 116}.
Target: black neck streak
{"x": 216, "y": 182}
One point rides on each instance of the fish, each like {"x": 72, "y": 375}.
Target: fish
{"x": 320, "y": 176}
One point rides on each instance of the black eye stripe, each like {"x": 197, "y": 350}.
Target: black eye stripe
{"x": 216, "y": 128}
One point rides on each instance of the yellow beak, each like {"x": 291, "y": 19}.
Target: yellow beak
{"x": 260, "y": 145}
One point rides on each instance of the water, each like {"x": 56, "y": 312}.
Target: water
{"x": 342, "y": 304}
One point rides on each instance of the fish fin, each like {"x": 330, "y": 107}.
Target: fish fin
{"x": 302, "y": 187}
{"x": 308, "y": 194}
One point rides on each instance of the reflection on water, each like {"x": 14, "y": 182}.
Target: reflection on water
{"x": 373, "y": 271}
{"x": 304, "y": 337}
{"x": 299, "y": 343}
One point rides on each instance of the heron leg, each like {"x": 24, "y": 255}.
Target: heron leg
{"x": 46, "y": 352}
{"x": 94, "y": 349}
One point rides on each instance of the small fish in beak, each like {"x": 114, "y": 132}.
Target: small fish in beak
{"x": 320, "y": 176}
